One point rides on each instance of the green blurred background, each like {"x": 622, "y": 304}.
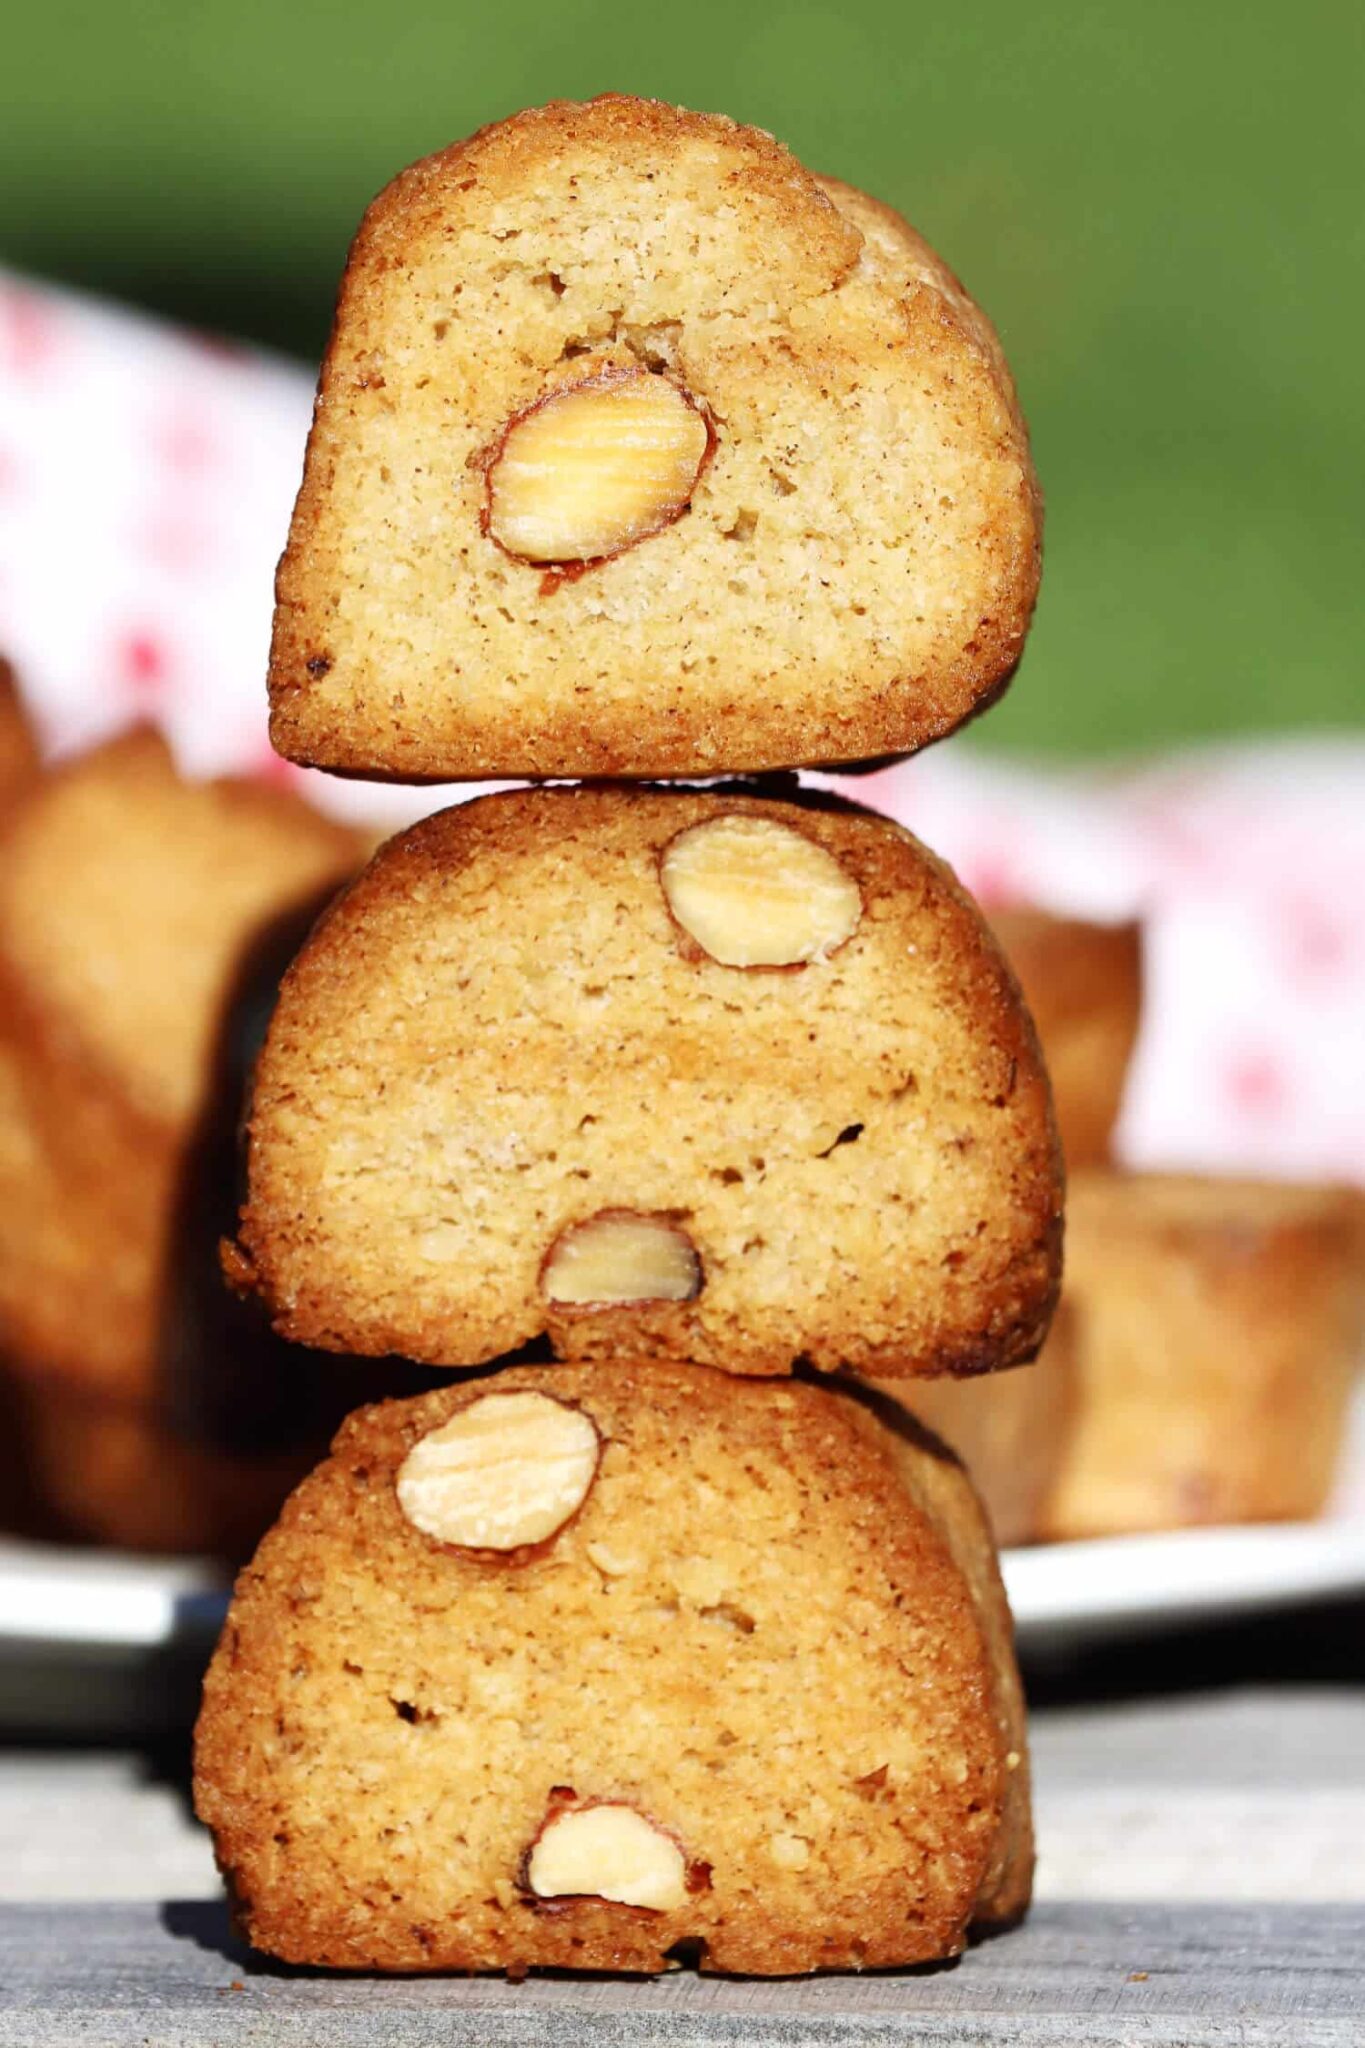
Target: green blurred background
{"x": 1161, "y": 205}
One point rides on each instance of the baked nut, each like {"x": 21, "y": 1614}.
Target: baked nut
{"x": 595, "y": 466}
{"x": 508, "y": 1470}
{"x": 619, "y": 1257}
{"x": 607, "y": 1851}
{"x": 752, "y": 892}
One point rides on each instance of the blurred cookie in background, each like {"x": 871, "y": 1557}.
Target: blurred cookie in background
{"x": 1010, "y": 1429}
{"x": 1083, "y": 984}
{"x": 18, "y": 741}
{"x": 121, "y": 1476}
{"x": 1200, "y": 1369}
{"x": 1218, "y": 1328}
{"x": 19, "y": 748}
{"x": 145, "y": 920}
{"x": 128, "y": 896}
{"x": 24, "y": 1512}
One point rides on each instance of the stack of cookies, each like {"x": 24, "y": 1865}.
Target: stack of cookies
{"x": 641, "y": 452}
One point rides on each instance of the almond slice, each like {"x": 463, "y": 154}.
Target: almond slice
{"x": 607, "y": 1851}
{"x": 506, "y": 1471}
{"x": 619, "y": 1257}
{"x": 594, "y": 467}
{"x": 752, "y": 892}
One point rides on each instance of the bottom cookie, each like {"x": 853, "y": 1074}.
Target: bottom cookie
{"x": 598, "y": 1667}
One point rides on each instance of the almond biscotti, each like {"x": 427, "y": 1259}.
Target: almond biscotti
{"x": 639, "y": 450}
{"x": 1199, "y": 1369}
{"x": 534, "y": 1672}
{"x": 693, "y": 1074}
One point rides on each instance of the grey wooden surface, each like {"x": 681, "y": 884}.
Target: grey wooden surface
{"x": 1201, "y": 1881}
{"x": 147, "y": 1976}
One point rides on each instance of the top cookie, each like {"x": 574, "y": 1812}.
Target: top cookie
{"x": 641, "y": 451}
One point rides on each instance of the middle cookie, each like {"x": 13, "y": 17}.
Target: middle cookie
{"x": 694, "y": 1074}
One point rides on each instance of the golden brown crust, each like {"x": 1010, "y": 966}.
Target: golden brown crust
{"x": 867, "y": 534}
{"x": 907, "y": 261}
{"x": 496, "y": 1034}
{"x": 1083, "y": 984}
{"x": 775, "y": 1631}
{"x": 1218, "y": 1329}
{"x": 946, "y": 1491}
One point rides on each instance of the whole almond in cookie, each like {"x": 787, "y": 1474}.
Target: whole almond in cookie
{"x": 594, "y": 467}
{"x": 505, "y": 1471}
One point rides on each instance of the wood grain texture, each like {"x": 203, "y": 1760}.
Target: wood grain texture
{"x": 142, "y": 1976}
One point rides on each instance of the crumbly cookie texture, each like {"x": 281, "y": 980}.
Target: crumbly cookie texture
{"x": 755, "y": 1701}
{"x": 506, "y": 1092}
{"x": 1083, "y": 986}
{"x": 130, "y": 898}
{"x": 639, "y": 450}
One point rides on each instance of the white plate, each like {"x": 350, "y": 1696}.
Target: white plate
{"x": 90, "y": 1639}
{"x": 1060, "y": 1592}
{"x": 1067, "y": 1594}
